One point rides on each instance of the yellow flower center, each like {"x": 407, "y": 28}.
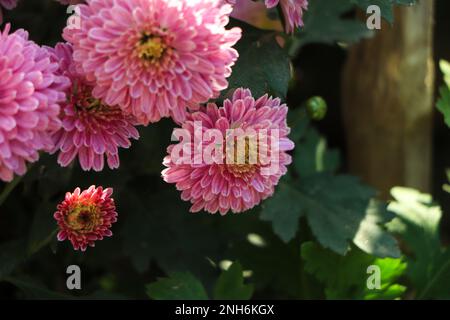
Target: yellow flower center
{"x": 83, "y": 218}
{"x": 150, "y": 48}
{"x": 242, "y": 160}
{"x": 241, "y": 170}
{"x": 83, "y": 101}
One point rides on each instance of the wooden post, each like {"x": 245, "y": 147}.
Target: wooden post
{"x": 387, "y": 96}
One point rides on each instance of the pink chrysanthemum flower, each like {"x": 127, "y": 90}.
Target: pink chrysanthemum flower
{"x": 30, "y": 93}
{"x": 7, "y": 4}
{"x": 225, "y": 184}
{"x": 90, "y": 129}
{"x": 85, "y": 217}
{"x": 155, "y": 58}
{"x": 292, "y": 10}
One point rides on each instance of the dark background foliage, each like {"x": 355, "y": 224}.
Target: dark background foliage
{"x": 157, "y": 237}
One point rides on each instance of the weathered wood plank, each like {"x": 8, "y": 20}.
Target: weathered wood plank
{"x": 387, "y": 93}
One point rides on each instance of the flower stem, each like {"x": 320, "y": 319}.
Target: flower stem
{"x": 36, "y": 248}
{"x": 9, "y": 188}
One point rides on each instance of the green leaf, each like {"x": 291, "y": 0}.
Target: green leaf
{"x": 106, "y": 295}
{"x": 323, "y": 23}
{"x": 43, "y": 227}
{"x": 372, "y": 236}
{"x": 254, "y": 244}
{"x": 263, "y": 66}
{"x": 346, "y": 277}
{"x": 405, "y": 2}
{"x": 386, "y": 6}
{"x": 443, "y": 104}
{"x": 284, "y": 212}
{"x": 299, "y": 122}
{"x": 153, "y": 232}
{"x": 338, "y": 210}
{"x": 35, "y": 290}
{"x": 12, "y": 254}
{"x": 312, "y": 155}
{"x": 445, "y": 68}
{"x": 417, "y": 222}
{"x": 230, "y": 285}
{"x": 335, "y": 207}
{"x": 178, "y": 286}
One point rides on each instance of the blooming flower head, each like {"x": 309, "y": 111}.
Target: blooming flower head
{"x": 91, "y": 130}
{"x": 155, "y": 58}
{"x": 292, "y": 11}
{"x": 221, "y": 183}
{"x": 30, "y": 93}
{"x": 85, "y": 217}
{"x": 7, "y": 4}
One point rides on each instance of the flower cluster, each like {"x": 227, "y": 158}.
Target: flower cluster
{"x": 155, "y": 58}
{"x": 130, "y": 63}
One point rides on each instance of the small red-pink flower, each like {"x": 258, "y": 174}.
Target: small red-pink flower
{"x": 155, "y": 58}
{"x": 31, "y": 91}
{"x": 225, "y": 184}
{"x": 91, "y": 130}
{"x": 85, "y": 217}
{"x": 292, "y": 11}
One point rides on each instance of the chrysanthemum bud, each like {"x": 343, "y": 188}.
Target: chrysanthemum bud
{"x": 316, "y": 108}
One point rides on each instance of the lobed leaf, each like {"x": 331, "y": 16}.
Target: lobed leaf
{"x": 178, "y": 286}
{"x": 230, "y": 285}
{"x": 346, "y": 277}
{"x": 417, "y": 223}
